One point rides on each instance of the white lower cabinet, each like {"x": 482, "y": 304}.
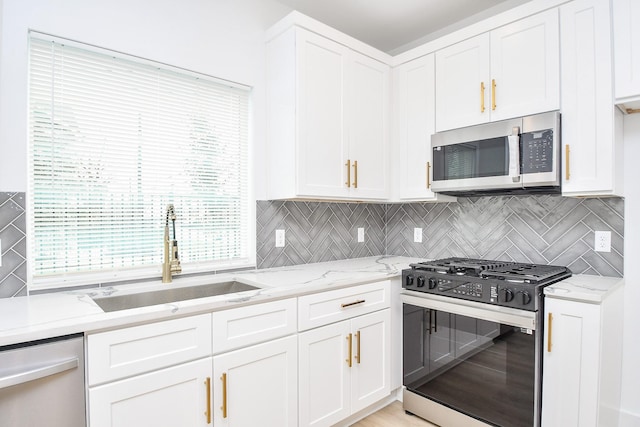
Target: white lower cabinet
{"x": 175, "y": 396}
{"x": 581, "y": 363}
{"x": 257, "y": 385}
{"x": 343, "y": 368}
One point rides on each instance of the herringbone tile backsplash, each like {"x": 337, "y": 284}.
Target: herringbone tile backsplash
{"x": 537, "y": 229}
{"x": 316, "y": 231}
{"x": 13, "y": 272}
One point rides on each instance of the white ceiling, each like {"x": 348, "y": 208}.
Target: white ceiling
{"x": 397, "y": 25}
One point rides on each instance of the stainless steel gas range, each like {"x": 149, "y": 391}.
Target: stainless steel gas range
{"x": 472, "y": 341}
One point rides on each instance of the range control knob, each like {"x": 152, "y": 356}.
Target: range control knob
{"x": 420, "y": 281}
{"x": 408, "y": 280}
{"x": 524, "y": 297}
{"x": 507, "y": 294}
{"x": 432, "y": 283}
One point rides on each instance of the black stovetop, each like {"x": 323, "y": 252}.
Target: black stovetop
{"x": 516, "y": 272}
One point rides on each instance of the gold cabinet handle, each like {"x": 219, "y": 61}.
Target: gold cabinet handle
{"x": 349, "y": 304}
{"x": 223, "y": 378}
{"x": 207, "y": 413}
{"x": 350, "y": 340}
{"x": 428, "y": 175}
{"x": 358, "y": 347}
{"x": 549, "y": 328}
{"x": 355, "y": 174}
{"x": 493, "y": 94}
{"x": 482, "y": 97}
{"x": 348, "y": 165}
{"x": 567, "y": 171}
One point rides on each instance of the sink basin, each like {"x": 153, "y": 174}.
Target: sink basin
{"x": 170, "y": 294}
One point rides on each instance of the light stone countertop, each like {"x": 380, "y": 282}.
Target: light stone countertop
{"x": 584, "y": 288}
{"x": 49, "y": 315}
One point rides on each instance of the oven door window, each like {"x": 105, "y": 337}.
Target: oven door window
{"x": 483, "y": 369}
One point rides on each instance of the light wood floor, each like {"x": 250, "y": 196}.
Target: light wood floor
{"x": 392, "y": 416}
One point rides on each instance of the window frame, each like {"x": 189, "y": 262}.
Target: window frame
{"x": 141, "y": 273}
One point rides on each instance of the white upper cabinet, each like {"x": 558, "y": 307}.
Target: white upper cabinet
{"x": 369, "y": 126}
{"x": 414, "y": 123}
{"x": 509, "y": 72}
{"x": 327, "y": 113}
{"x": 591, "y": 125}
{"x": 626, "y": 33}
{"x": 462, "y": 79}
{"x": 321, "y": 68}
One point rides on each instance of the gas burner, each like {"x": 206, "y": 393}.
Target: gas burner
{"x": 527, "y": 273}
{"x": 460, "y": 266}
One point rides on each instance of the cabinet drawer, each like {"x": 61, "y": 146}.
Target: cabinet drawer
{"x": 332, "y": 306}
{"x": 241, "y": 327}
{"x": 131, "y": 351}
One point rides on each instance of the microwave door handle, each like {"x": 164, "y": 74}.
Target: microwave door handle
{"x": 514, "y": 154}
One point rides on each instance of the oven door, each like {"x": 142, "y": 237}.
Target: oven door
{"x": 481, "y": 362}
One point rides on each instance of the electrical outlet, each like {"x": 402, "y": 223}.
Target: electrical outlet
{"x": 417, "y": 235}
{"x": 279, "y": 238}
{"x": 602, "y": 241}
{"x": 360, "y": 234}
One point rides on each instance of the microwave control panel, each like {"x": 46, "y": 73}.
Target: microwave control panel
{"x": 537, "y": 151}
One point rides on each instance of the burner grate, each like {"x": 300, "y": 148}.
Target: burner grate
{"x": 494, "y": 269}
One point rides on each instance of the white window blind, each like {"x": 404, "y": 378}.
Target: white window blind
{"x": 113, "y": 140}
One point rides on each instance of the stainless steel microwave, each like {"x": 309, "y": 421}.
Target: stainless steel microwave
{"x": 516, "y": 156}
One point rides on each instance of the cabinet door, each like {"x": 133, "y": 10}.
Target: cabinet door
{"x": 257, "y": 386}
{"x": 525, "y": 67}
{"x": 462, "y": 84}
{"x": 588, "y": 123}
{"x": 371, "y": 361}
{"x": 324, "y": 377}
{"x": 415, "y": 103}
{"x": 626, "y": 33}
{"x": 169, "y": 397}
{"x": 570, "y": 364}
{"x": 368, "y": 118}
{"x": 321, "y": 134}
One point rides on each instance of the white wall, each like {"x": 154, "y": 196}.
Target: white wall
{"x": 223, "y": 38}
{"x": 630, "y": 416}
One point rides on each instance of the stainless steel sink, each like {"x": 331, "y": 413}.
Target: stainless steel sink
{"x": 172, "y": 294}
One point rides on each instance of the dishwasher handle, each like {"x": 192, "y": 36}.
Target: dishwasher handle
{"x": 37, "y": 373}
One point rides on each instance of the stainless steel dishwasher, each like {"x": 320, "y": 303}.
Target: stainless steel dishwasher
{"x": 42, "y": 383}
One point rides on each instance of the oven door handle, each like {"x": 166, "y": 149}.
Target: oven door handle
{"x": 505, "y": 315}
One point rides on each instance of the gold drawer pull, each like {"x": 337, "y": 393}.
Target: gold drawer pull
{"x": 348, "y": 165}
{"x": 350, "y": 340}
{"x": 358, "y": 347}
{"x": 207, "y": 414}
{"x": 493, "y": 94}
{"x": 482, "y": 97}
{"x": 224, "y": 395}
{"x": 428, "y": 175}
{"x": 355, "y": 174}
{"x": 349, "y": 304}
